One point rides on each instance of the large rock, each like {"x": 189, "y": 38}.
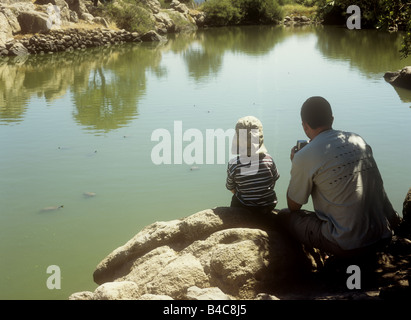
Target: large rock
{"x": 216, "y": 253}
{"x": 18, "y": 49}
{"x": 5, "y": 29}
{"x": 152, "y": 36}
{"x": 400, "y": 78}
{"x": 12, "y": 20}
{"x": 14, "y": 1}
{"x": 60, "y": 3}
{"x": 229, "y": 253}
{"x": 33, "y": 22}
{"x": 178, "y": 6}
{"x": 154, "y": 5}
{"x": 78, "y": 6}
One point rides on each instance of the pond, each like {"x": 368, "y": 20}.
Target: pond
{"x": 77, "y": 131}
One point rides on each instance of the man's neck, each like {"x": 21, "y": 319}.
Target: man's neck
{"x": 317, "y": 131}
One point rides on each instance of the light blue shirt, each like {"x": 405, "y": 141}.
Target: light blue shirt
{"x": 337, "y": 169}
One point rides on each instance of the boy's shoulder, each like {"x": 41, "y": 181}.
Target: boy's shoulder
{"x": 235, "y": 160}
{"x": 265, "y": 157}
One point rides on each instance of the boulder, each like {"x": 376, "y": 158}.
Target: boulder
{"x": 152, "y": 36}
{"x": 15, "y": 1}
{"x": 296, "y": 20}
{"x": 153, "y": 5}
{"x": 221, "y": 253}
{"x": 400, "y": 78}
{"x": 18, "y": 49}
{"x": 196, "y": 293}
{"x": 78, "y": 6}
{"x": 178, "y": 6}
{"x": 163, "y": 18}
{"x": 230, "y": 253}
{"x": 87, "y": 17}
{"x": 5, "y": 29}
{"x": 102, "y": 21}
{"x": 60, "y": 3}
{"x": 33, "y": 22}
{"x": 123, "y": 290}
{"x": 12, "y": 20}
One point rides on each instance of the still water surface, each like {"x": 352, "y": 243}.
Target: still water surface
{"x": 82, "y": 122}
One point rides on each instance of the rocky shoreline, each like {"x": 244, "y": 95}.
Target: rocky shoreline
{"x": 228, "y": 254}
{"x": 72, "y": 39}
{"x": 30, "y": 28}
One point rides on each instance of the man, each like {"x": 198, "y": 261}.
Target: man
{"x": 352, "y": 211}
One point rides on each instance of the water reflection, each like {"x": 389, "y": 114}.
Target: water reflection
{"x": 106, "y": 84}
{"x": 404, "y": 94}
{"x": 372, "y": 52}
{"x": 204, "y": 57}
{"x": 106, "y": 95}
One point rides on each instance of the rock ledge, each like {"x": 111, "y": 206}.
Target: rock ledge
{"x": 228, "y": 254}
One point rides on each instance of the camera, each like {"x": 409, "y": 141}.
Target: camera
{"x": 301, "y": 144}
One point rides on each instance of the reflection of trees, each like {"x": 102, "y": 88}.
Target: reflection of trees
{"x": 106, "y": 83}
{"x": 108, "y": 100}
{"x": 372, "y": 52}
{"x": 205, "y": 58}
{"x": 13, "y": 103}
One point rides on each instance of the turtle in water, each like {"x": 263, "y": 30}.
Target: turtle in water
{"x": 193, "y": 168}
{"x": 52, "y": 208}
{"x": 89, "y": 194}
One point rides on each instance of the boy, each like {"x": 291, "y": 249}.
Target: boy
{"x": 251, "y": 176}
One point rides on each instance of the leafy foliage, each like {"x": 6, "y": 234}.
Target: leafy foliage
{"x": 382, "y": 14}
{"x": 130, "y": 15}
{"x": 230, "y": 12}
{"x": 221, "y": 12}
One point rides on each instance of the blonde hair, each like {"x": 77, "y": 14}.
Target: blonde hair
{"x": 255, "y": 136}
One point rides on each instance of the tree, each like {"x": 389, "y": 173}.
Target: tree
{"x": 391, "y": 15}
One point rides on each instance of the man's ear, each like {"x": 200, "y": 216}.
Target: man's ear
{"x": 305, "y": 126}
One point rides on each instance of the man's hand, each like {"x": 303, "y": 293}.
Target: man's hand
{"x": 293, "y": 151}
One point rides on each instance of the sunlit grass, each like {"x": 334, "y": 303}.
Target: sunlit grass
{"x": 299, "y": 10}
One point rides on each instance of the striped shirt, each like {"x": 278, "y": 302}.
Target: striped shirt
{"x": 257, "y": 189}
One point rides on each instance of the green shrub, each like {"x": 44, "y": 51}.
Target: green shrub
{"x": 221, "y": 12}
{"x": 130, "y": 15}
{"x": 224, "y": 12}
{"x": 381, "y": 14}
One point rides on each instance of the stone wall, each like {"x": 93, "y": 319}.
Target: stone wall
{"x": 32, "y": 28}
{"x": 72, "y": 39}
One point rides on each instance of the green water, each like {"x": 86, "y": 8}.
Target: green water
{"x": 82, "y": 122}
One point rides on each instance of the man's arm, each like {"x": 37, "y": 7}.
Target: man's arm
{"x": 292, "y": 205}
